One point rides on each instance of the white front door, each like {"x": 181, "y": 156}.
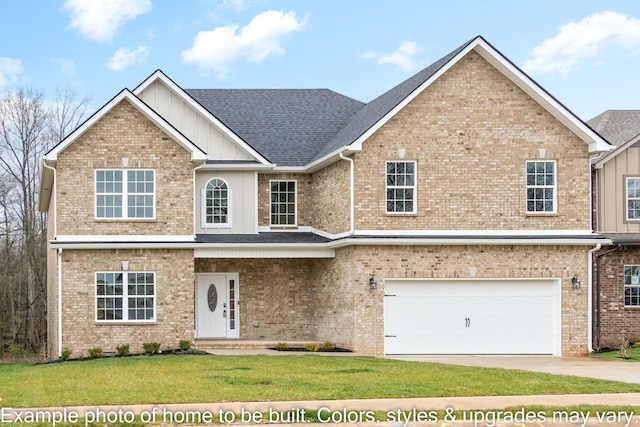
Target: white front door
{"x": 217, "y": 314}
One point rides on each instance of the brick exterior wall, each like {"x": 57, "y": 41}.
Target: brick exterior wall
{"x": 471, "y": 133}
{"x": 174, "y": 300}
{"x": 330, "y": 300}
{"x": 616, "y": 321}
{"x": 124, "y": 132}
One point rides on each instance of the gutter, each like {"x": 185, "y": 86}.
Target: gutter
{"x": 598, "y": 292}
{"x": 55, "y": 199}
{"x": 352, "y": 224}
{"x": 195, "y": 211}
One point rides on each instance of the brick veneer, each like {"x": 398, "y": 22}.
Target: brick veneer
{"x": 124, "y": 132}
{"x": 174, "y": 299}
{"x": 617, "y": 321}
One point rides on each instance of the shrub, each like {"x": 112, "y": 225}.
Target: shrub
{"x": 327, "y": 346}
{"x": 184, "y": 345}
{"x": 96, "y": 353}
{"x": 281, "y": 346}
{"x": 311, "y": 347}
{"x": 151, "y": 347}
{"x": 123, "y": 350}
{"x": 66, "y": 354}
{"x": 636, "y": 344}
{"x": 16, "y": 350}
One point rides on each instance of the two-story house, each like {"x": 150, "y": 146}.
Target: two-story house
{"x": 449, "y": 215}
{"x": 617, "y": 202}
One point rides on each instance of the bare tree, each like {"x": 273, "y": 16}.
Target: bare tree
{"x": 29, "y": 126}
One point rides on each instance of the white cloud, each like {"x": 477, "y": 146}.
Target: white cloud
{"x": 404, "y": 57}
{"x": 100, "y": 19}
{"x": 9, "y": 70}
{"x": 124, "y": 57}
{"x": 219, "y": 48}
{"x": 67, "y": 67}
{"x": 580, "y": 41}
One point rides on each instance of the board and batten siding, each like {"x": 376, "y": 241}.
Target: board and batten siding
{"x": 611, "y": 191}
{"x": 243, "y": 186}
{"x": 191, "y": 123}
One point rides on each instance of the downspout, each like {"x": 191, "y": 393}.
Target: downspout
{"x": 352, "y": 225}
{"x": 59, "y": 301}
{"x": 598, "y": 292}
{"x": 590, "y": 297}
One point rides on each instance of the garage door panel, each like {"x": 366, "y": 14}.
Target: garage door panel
{"x": 469, "y": 317}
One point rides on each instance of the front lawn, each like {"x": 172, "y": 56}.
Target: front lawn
{"x": 632, "y": 352}
{"x": 208, "y": 378}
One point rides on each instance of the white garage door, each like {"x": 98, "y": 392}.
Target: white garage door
{"x": 472, "y": 316}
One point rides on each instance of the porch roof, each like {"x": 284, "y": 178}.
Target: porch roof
{"x": 271, "y": 237}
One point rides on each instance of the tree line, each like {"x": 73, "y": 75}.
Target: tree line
{"x": 30, "y": 126}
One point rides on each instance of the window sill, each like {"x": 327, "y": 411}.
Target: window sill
{"x": 125, "y": 220}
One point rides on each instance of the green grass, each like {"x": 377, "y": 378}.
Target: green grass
{"x": 634, "y": 354}
{"x": 190, "y": 378}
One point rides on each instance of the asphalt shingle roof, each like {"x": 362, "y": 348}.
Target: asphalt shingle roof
{"x": 287, "y": 126}
{"x": 294, "y": 127}
{"x": 617, "y": 126}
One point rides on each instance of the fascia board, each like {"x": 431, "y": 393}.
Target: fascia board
{"x": 159, "y": 75}
{"x": 617, "y": 150}
{"x": 595, "y": 142}
{"x": 196, "y": 153}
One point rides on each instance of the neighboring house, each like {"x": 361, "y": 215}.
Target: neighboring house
{"x": 449, "y": 215}
{"x": 617, "y": 202}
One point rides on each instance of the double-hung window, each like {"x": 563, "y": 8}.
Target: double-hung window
{"x": 632, "y": 193}
{"x": 632, "y": 285}
{"x": 541, "y": 186}
{"x": 128, "y": 296}
{"x": 283, "y": 203}
{"x": 216, "y": 209}
{"x": 125, "y": 193}
{"x": 401, "y": 186}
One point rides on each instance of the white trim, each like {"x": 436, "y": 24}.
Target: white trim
{"x": 59, "y": 313}
{"x": 595, "y": 142}
{"x": 554, "y": 187}
{"x": 125, "y": 298}
{"x": 103, "y": 238}
{"x": 203, "y": 203}
{"x": 413, "y": 187}
{"x": 124, "y": 194}
{"x": 159, "y": 75}
{"x": 263, "y": 251}
{"x": 237, "y": 167}
{"x": 590, "y": 297}
{"x": 295, "y": 214}
{"x": 626, "y": 198}
{"x": 125, "y": 94}
{"x": 444, "y": 241}
{"x": 476, "y": 233}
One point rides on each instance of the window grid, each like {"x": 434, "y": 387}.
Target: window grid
{"x": 541, "y": 186}
{"x": 133, "y": 302}
{"x": 400, "y": 186}
{"x": 633, "y": 198}
{"x": 283, "y": 203}
{"x": 121, "y": 195}
{"x": 217, "y": 202}
{"x": 632, "y": 285}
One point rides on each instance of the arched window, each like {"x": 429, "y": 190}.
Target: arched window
{"x": 216, "y": 209}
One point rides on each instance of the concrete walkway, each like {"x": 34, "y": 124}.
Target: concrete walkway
{"x": 590, "y": 367}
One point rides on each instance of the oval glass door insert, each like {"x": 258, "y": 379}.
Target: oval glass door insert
{"x": 212, "y": 297}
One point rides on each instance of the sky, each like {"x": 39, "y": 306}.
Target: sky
{"x": 586, "y": 53}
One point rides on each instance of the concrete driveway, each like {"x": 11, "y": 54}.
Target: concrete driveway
{"x": 616, "y": 370}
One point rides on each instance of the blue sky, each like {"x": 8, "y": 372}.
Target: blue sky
{"x": 586, "y": 53}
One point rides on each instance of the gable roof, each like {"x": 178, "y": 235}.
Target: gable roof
{"x": 288, "y": 126}
{"x": 619, "y": 127}
{"x": 160, "y": 76}
{"x": 125, "y": 95}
